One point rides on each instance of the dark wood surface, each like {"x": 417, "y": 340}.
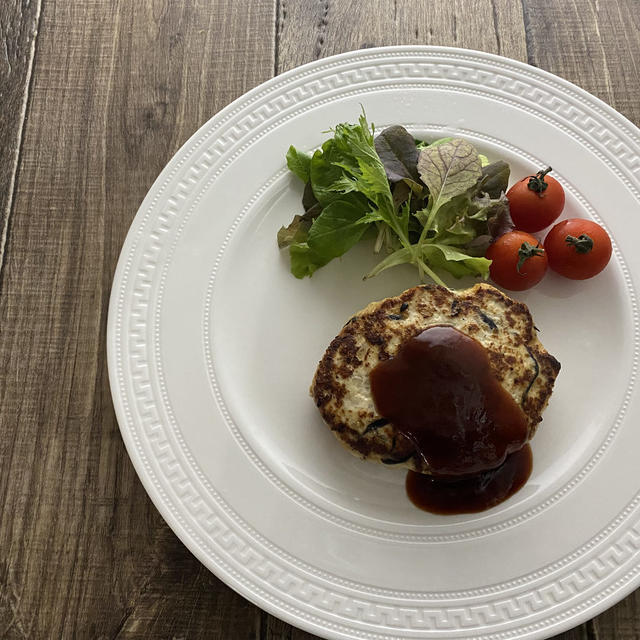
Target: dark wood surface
{"x": 95, "y": 97}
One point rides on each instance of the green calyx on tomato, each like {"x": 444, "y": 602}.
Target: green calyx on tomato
{"x": 582, "y": 244}
{"x": 536, "y": 183}
{"x": 535, "y": 202}
{"x": 527, "y": 251}
{"x": 578, "y": 248}
{"x": 510, "y": 252}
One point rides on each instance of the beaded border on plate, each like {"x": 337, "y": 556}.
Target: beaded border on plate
{"x": 146, "y": 216}
{"x": 292, "y": 493}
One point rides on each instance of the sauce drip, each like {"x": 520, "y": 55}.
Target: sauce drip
{"x": 470, "y": 494}
{"x": 440, "y": 393}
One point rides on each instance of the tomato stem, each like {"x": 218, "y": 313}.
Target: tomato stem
{"x": 582, "y": 244}
{"x": 527, "y": 251}
{"x": 537, "y": 183}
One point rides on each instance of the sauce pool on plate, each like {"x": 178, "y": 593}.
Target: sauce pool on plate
{"x": 470, "y": 494}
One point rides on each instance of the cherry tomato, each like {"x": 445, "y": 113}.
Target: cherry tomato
{"x": 536, "y": 201}
{"x": 578, "y": 248}
{"x": 517, "y": 261}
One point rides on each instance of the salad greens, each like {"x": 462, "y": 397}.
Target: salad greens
{"x": 435, "y": 205}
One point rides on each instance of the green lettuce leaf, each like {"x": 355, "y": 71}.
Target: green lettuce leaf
{"x": 299, "y": 163}
{"x": 471, "y": 222}
{"x": 336, "y": 229}
{"x": 454, "y": 261}
{"x": 435, "y": 206}
{"x": 324, "y": 174}
{"x": 435, "y": 143}
{"x": 296, "y": 232}
{"x": 304, "y": 260}
{"x": 401, "y": 256}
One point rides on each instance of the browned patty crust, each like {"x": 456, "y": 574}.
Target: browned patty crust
{"x": 341, "y": 388}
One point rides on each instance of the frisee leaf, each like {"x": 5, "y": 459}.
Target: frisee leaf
{"x": 361, "y": 165}
{"x": 357, "y": 183}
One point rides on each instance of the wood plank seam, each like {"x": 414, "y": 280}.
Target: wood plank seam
{"x": 527, "y": 32}
{"x": 6, "y": 218}
{"x": 280, "y": 16}
{"x": 494, "y": 14}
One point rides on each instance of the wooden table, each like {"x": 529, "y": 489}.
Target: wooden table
{"x": 95, "y": 97}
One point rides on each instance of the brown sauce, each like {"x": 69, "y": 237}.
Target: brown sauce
{"x": 470, "y": 494}
{"x": 440, "y": 393}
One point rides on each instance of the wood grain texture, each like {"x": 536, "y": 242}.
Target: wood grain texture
{"x": 18, "y": 33}
{"x": 583, "y": 632}
{"x": 274, "y": 629}
{"x": 593, "y": 43}
{"x": 311, "y": 29}
{"x": 115, "y": 88}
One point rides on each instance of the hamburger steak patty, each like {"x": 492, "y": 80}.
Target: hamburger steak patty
{"x": 504, "y": 327}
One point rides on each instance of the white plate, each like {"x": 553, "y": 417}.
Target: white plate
{"x": 212, "y": 346}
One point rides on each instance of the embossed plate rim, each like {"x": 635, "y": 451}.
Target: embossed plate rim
{"x": 116, "y": 303}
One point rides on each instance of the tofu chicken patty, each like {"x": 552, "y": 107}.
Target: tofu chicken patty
{"x": 504, "y": 327}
